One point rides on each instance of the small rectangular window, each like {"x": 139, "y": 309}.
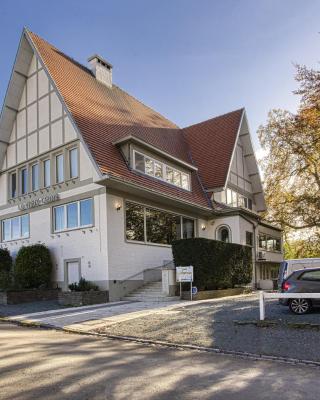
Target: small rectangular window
{"x": 86, "y": 212}
{"x": 249, "y": 238}
{"x": 46, "y": 173}
{"x": 13, "y": 183}
{"x": 73, "y": 159}
{"x": 35, "y": 177}
{"x": 59, "y": 168}
{"x": 73, "y": 215}
{"x": 24, "y": 181}
{"x": 15, "y": 228}
{"x": 59, "y": 218}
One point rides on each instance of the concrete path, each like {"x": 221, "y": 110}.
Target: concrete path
{"x": 51, "y": 365}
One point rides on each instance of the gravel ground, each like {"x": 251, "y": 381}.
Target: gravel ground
{"x": 225, "y": 324}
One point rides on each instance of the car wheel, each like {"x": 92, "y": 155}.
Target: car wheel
{"x": 300, "y": 306}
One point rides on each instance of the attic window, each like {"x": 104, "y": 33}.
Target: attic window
{"x": 159, "y": 170}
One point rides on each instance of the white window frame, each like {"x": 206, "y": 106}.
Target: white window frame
{"x": 36, "y": 164}
{"x": 10, "y": 185}
{"x": 164, "y": 170}
{"x": 57, "y": 182}
{"x": 25, "y": 168}
{"x": 44, "y": 173}
{"x": 77, "y": 161}
{"x": 20, "y": 228}
{"x": 65, "y": 207}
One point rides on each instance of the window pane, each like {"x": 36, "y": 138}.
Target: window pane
{"x": 250, "y": 204}
{"x": 224, "y": 235}
{"x": 270, "y": 244}
{"x": 59, "y": 218}
{"x": 139, "y": 162}
{"x": 158, "y": 170}
{"x": 149, "y": 166}
{"x": 185, "y": 181}
{"x": 229, "y": 196}
{"x": 234, "y": 198}
{"x": 35, "y": 177}
{"x": 46, "y": 173}
{"x": 6, "y": 229}
{"x": 15, "y": 228}
{"x": 73, "y": 154}
{"x": 13, "y": 185}
{"x": 72, "y": 215}
{"x": 169, "y": 173}
{"x": 249, "y": 238}
{"x": 24, "y": 181}
{"x": 134, "y": 222}
{"x": 59, "y": 168}
{"x": 311, "y": 276}
{"x": 86, "y": 212}
{"x": 188, "y": 228}
{"x": 278, "y": 244}
{"x": 24, "y": 225}
{"x": 177, "y": 178}
{"x": 162, "y": 227}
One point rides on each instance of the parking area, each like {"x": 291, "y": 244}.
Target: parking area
{"x": 230, "y": 324}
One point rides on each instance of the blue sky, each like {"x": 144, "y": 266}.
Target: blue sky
{"x": 188, "y": 59}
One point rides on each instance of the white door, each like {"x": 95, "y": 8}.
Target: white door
{"x": 73, "y": 270}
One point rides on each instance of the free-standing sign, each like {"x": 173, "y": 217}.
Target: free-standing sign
{"x": 184, "y": 274}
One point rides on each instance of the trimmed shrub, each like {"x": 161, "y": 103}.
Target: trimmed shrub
{"x": 5, "y": 268}
{"x": 33, "y": 267}
{"x": 83, "y": 286}
{"x": 217, "y": 265}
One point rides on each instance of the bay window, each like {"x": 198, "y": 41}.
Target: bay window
{"x": 149, "y": 225}
{"x": 78, "y": 214}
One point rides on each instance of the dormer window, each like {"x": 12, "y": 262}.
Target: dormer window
{"x": 160, "y": 170}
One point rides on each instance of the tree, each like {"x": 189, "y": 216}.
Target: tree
{"x": 5, "y": 268}
{"x": 292, "y": 164}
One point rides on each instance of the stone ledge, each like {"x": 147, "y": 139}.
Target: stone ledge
{"x": 27, "y": 296}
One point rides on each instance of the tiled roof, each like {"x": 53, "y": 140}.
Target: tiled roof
{"x": 211, "y": 143}
{"x": 105, "y": 115}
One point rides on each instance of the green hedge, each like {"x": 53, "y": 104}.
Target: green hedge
{"x": 33, "y": 267}
{"x": 217, "y": 265}
{"x": 5, "y": 268}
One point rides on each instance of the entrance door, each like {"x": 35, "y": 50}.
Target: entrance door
{"x": 72, "y": 272}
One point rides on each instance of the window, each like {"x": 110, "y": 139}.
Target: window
{"x": 236, "y": 199}
{"x": 311, "y": 276}
{"x": 35, "y": 177}
{"x": 24, "y": 181}
{"x": 249, "y": 238}
{"x": 223, "y": 234}
{"x": 59, "y": 168}
{"x": 78, "y": 214}
{"x": 73, "y": 159}
{"x": 160, "y": 170}
{"x": 13, "y": 185}
{"x": 269, "y": 243}
{"x": 46, "y": 173}
{"x": 15, "y": 228}
{"x": 145, "y": 224}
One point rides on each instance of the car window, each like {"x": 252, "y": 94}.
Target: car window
{"x": 311, "y": 276}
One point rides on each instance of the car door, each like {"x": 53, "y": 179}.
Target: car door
{"x": 310, "y": 283}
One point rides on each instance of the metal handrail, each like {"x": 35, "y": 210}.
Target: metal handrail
{"x": 144, "y": 270}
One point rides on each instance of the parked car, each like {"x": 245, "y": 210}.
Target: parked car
{"x": 302, "y": 281}
{"x": 289, "y": 266}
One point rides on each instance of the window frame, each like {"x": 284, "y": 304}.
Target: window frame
{"x": 164, "y": 167}
{"x": 11, "y": 174}
{"x": 21, "y": 180}
{"x": 145, "y": 207}
{"x": 65, "y": 217}
{"x": 34, "y": 189}
{"x": 19, "y": 217}
{"x": 70, "y": 150}
{"x": 57, "y": 181}
{"x": 44, "y": 161}
{"x": 266, "y": 237}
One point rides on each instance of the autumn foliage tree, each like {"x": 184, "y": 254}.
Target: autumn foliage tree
{"x": 292, "y": 164}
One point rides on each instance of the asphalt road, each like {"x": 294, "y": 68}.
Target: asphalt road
{"x": 46, "y": 364}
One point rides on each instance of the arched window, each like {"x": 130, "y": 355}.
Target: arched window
{"x": 224, "y": 234}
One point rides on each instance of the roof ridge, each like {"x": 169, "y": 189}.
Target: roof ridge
{"x": 216, "y": 117}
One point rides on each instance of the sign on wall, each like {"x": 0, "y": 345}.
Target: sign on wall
{"x": 39, "y": 202}
{"x": 184, "y": 274}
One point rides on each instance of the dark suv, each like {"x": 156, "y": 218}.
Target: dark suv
{"x": 302, "y": 281}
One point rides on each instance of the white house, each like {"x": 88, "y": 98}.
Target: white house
{"x": 107, "y": 183}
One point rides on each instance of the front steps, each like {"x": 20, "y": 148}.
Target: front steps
{"x": 152, "y": 292}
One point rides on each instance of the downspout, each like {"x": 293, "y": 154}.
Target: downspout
{"x": 254, "y": 225}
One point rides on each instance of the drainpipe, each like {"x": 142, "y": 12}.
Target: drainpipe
{"x": 254, "y": 225}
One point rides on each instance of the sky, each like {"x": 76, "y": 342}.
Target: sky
{"x": 188, "y": 59}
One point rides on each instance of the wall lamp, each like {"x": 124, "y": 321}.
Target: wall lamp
{"x": 203, "y": 227}
{"x": 118, "y": 206}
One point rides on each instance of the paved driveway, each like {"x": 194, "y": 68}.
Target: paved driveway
{"x": 51, "y": 365}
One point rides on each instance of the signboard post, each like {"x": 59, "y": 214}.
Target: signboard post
{"x": 185, "y": 274}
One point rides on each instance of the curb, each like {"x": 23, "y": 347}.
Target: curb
{"x": 149, "y": 342}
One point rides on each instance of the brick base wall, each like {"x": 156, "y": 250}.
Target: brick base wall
{"x": 83, "y": 298}
{"x": 28, "y": 296}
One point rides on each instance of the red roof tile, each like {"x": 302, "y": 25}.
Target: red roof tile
{"x": 211, "y": 143}
{"x": 104, "y": 115}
